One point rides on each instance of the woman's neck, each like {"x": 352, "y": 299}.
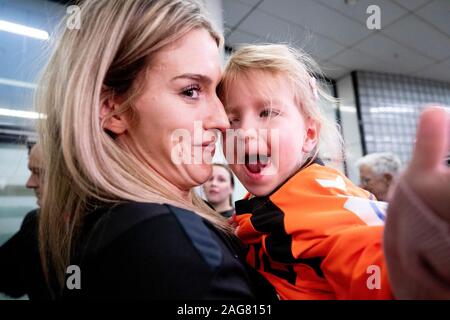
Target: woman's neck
{"x": 222, "y": 206}
{"x": 181, "y": 193}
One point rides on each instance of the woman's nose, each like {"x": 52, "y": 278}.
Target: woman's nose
{"x": 217, "y": 118}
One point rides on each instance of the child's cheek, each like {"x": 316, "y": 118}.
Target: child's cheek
{"x": 290, "y": 151}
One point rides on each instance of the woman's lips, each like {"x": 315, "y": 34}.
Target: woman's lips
{"x": 205, "y": 149}
{"x": 207, "y": 143}
{"x": 210, "y": 145}
{"x": 213, "y": 193}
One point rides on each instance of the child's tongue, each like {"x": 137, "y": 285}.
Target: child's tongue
{"x": 254, "y": 168}
{"x": 255, "y": 164}
{"x": 258, "y": 166}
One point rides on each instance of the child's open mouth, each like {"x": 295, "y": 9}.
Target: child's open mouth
{"x": 256, "y": 163}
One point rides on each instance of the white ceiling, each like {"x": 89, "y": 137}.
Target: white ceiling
{"x": 414, "y": 38}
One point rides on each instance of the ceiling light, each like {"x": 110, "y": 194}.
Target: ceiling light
{"x": 23, "y": 30}
{"x": 392, "y": 110}
{"x": 21, "y": 114}
{"x": 17, "y": 83}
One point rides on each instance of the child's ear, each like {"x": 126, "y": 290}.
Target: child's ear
{"x": 311, "y": 135}
{"x": 116, "y": 124}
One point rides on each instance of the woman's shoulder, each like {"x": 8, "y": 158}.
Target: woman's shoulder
{"x": 159, "y": 250}
{"x": 108, "y": 223}
{"x": 127, "y": 214}
{"x": 126, "y": 223}
{"x": 111, "y": 220}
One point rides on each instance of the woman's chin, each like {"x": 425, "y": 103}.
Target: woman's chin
{"x": 216, "y": 199}
{"x": 199, "y": 173}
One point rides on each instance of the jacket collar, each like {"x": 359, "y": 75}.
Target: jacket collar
{"x": 251, "y": 204}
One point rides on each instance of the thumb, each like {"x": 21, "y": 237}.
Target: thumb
{"x": 432, "y": 139}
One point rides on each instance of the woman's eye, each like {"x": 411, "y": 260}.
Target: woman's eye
{"x": 192, "y": 92}
{"x": 269, "y": 113}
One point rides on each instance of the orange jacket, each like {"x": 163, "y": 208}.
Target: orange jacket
{"x": 318, "y": 236}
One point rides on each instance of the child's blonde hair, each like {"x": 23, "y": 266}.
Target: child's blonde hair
{"x": 299, "y": 68}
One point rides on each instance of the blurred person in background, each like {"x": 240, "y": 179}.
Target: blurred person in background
{"x": 219, "y": 190}
{"x": 377, "y": 172}
{"x": 35, "y": 165}
{"x": 20, "y": 268}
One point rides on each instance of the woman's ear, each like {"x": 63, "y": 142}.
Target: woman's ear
{"x": 111, "y": 121}
{"x": 311, "y": 135}
{"x": 388, "y": 178}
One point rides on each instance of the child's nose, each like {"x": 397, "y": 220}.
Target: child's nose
{"x": 251, "y": 146}
{"x": 247, "y": 135}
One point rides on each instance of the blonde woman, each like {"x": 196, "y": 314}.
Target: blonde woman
{"x": 219, "y": 189}
{"x": 116, "y": 204}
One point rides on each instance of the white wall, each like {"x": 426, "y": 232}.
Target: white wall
{"x": 350, "y": 128}
{"x": 329, "y": 110}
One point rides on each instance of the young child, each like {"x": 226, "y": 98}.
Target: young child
{"x": 311, "y": 232}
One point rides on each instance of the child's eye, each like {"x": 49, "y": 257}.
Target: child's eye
{"x": 269, "y": 113}
{"x": 233, "y": 120}
{"x": 191, "y": 92}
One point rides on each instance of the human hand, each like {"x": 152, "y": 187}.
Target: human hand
{"x": 428, "y": 175}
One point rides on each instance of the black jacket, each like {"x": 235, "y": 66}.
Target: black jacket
{"x": 152, "y": 251}
{"x": 20, "y": 267}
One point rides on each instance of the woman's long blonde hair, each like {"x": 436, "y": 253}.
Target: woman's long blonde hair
{"x": 83, "y": 163}
{"x": 299, "y": 69}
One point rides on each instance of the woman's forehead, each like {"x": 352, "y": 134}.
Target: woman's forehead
{"x": 219, "y": 170}
{"x": 194, "y": 53}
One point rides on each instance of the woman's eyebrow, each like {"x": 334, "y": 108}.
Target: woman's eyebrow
{"x": 194, "y": 76}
